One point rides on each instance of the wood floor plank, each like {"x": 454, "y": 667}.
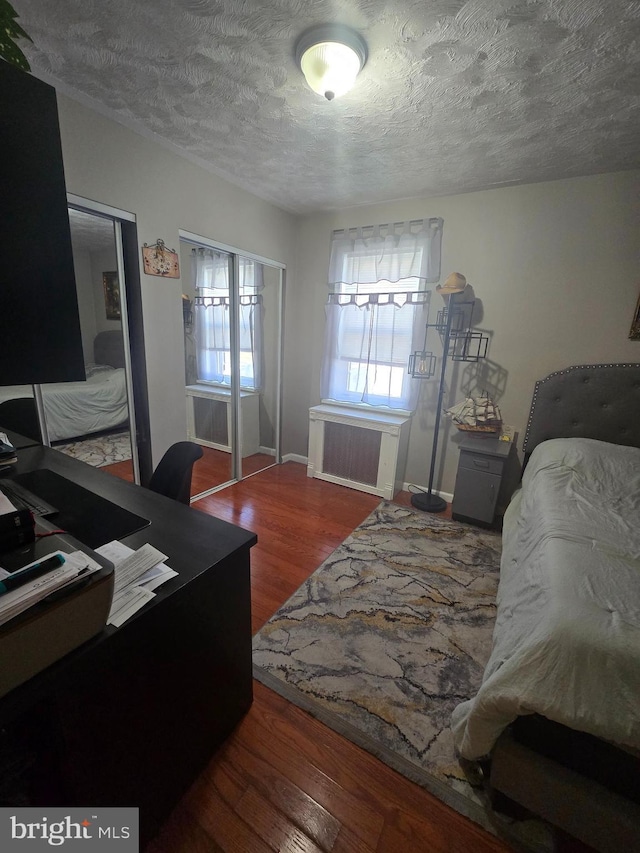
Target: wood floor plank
{"x": 301, "y": 809}
{"x": 274, "y": 827}
{"x": 406, "y": 831}
{"x": 182, "y": 834}
{"x": 347, "y": 806}
{"x": 348, "y": 842}
{"x": 220, "y": 821}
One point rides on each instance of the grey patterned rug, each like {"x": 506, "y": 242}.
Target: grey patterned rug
{"x": 387, "y": 636}
{"x": 100, "y": 450}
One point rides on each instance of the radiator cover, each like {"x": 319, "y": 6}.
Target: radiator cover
{"x": 363, "y": 450}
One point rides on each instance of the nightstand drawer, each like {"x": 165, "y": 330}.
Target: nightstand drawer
{"x": 480, "y": 462}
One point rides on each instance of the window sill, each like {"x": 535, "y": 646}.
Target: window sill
{"x": 365, "y": 407}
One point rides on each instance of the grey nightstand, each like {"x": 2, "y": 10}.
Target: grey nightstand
{"x": 480, "y": 470}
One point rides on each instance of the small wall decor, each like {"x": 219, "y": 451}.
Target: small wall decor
{"x": 111, "y": 287}
{"x": 158, "y": 260}
{"x": 634, "y": 332}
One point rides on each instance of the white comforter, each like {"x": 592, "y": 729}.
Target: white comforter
{"x": 567, "y": 636}
{"x": 74, "y": 409}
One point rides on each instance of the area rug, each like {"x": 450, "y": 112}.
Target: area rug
{"x": 100, "y": 450}
{"x": 387, "y": 636}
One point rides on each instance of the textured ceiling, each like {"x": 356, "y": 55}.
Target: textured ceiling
{"x": 456, "y": 96}
{"x": 91, "y": 233}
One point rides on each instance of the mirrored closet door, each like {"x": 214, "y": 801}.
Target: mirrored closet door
{"x": 232, "y": 310}
{"x": 91, "y": 420}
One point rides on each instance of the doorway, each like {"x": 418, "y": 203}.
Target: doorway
{"x": 232, "y": 310}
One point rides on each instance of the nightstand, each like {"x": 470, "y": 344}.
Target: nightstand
{"x": 480, "y": 470}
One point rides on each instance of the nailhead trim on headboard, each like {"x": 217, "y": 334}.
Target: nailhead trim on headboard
{"x": 584, "y": 416}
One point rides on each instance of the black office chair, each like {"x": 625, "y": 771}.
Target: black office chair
{"x": 20, "y": 415}
{"x": 172, "y": 476}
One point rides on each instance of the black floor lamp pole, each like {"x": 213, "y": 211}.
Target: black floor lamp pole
{"x": 427, "y": 501}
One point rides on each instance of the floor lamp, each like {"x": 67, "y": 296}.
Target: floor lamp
{"x": 459, "y": 343}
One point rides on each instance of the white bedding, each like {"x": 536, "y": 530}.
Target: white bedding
{"x": 74, "y": 409}
{"x": 567, "y": 638}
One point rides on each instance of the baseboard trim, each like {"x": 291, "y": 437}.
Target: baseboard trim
{"x": 295, "y": 457}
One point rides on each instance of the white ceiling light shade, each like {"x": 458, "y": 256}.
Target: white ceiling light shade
{"x": 331, "y": 56}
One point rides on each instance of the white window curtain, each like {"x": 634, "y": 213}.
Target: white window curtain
{"x": 378, "y": 278}
{"x": 211, "y": 274}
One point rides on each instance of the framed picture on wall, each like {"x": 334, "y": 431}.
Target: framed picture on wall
{"x": 634, "y": 332}
{"x": 111, "y": 295}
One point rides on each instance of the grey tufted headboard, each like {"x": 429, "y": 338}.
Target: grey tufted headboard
{"x": 600, "y": 401}
{"x": 108, "y": 348}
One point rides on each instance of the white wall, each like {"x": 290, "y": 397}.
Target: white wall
{"x": 107, "y": 162}
{"x": 555, "y": 266}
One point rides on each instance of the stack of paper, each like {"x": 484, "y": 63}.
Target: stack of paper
{"x": 18, "y": 600}
{"x": 137, "y": 574}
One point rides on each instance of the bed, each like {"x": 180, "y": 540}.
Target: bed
{"x": 556, "y": 721}
{"x": 75, "y": 409}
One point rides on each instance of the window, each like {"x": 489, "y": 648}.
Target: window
{"x": 378, "y": 280}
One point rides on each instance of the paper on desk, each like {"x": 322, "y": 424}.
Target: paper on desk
{"x": 23, "y": 597}
{"x": 129, "y": 569}
{"x": 128, "y": 602}
{"x": 130, "y": 597}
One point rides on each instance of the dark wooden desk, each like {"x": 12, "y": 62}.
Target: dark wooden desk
{"x": 132, "y": 717}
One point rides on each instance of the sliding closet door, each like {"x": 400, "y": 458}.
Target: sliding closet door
{"x": 233, "y": 306}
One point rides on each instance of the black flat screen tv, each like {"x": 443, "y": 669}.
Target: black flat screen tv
{"x": 40, "y": 338}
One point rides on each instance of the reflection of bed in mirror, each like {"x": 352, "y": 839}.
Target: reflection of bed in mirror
{"x": 75, "y": 409}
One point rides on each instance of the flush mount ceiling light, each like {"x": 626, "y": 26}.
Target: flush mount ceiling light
{"x": 331, "y": 56}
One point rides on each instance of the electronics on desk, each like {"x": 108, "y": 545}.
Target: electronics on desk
{"x": 17, "y": 524}
{"x": 24, "y": 498}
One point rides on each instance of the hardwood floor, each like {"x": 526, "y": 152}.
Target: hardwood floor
{"x": 283, "y": 781}
{"x": 212, "y": 470}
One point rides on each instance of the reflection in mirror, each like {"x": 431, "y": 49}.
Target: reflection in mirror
{"x": 206, "y": 303}
{"x": 264, "y": 411}
{"x": 89, "y": 420}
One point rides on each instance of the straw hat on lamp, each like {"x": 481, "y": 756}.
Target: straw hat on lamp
{"x": 455, "y": 283}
